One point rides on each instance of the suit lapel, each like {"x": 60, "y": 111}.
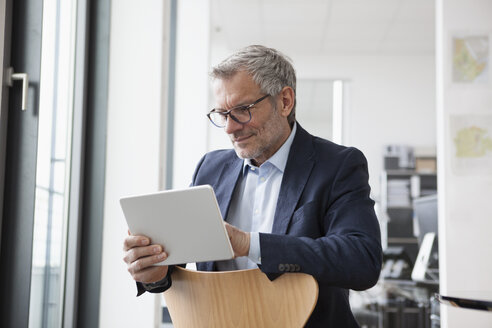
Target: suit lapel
{"x": 297, "y": 171}
{"x": 224, "y": 186}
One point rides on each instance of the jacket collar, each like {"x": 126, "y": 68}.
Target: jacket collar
{"x": 226, "y": 184}
{"x": 299, "y": 165}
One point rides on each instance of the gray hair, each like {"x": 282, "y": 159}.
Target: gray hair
{"x": 270, "y": 69}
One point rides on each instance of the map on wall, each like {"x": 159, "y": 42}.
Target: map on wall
{"x": 471, "y": 59}
{"x": 472, "y": 143}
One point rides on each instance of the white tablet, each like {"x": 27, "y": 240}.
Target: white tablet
{"x": 186, "y": 222}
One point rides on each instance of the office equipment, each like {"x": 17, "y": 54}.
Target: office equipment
{"x": 426, "y": 265}
{"x": 186, "y": 222}
{"x": 399, "y": 188}
{"x": 398, "y": 157}
{"x": 244, "y": 298}
{"x": 421, "y": 267}
{"x": 396, "y": 263}
{"x": 407, "y": 196}
{"x": 425, "y": 212}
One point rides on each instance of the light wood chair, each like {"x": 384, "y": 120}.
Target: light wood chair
{"x": 244, "y": 298}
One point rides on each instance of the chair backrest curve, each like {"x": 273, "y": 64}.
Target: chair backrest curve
{"x": 244, "y": 298}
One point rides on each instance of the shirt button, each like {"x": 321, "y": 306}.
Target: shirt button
{"x": 253, "y": 169}
{"x": 262, "y": 179}
{"x": 256, "y": 211}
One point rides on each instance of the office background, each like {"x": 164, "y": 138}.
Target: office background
{"x": 393, "y": 57}
{"x": 400, "y": 95}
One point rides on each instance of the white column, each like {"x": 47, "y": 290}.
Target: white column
{"x": 192, "y": 88}
{"x": 136, "y": 115}
{"x": 464, "y": 181}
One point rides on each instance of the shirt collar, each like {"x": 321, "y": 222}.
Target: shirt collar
{"x": 279, "y": 159}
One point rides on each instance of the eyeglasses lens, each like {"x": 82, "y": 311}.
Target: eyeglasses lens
{"x": 240, "y": 115}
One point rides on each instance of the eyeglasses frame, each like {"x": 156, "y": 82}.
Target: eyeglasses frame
{"x": 243, "y": 107}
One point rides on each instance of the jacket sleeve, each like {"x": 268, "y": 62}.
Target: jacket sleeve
{"x": 157, "y": 287}
{"x": 347, "y": 252}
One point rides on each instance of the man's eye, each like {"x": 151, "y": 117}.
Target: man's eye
{"x": 240, "y": 108}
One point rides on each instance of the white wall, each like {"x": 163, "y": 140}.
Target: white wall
{"x": 464, "y": 199}
{"x": 135, "y": 115}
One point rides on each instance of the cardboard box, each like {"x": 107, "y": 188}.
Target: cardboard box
{"x": 426, "y": 164}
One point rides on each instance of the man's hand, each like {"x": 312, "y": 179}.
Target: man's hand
{"x": 140, "y": 256}
{"x": 239, "y": 240}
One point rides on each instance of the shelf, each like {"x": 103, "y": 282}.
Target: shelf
{"x": 408, "y": 173}
{"x": 400, "y": 172}
{"x": 409, "y": 207}
{"x": 399, "y": 188}
{"x": 402, "y": 240}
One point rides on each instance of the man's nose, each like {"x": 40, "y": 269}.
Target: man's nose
{"x": 232, "y": 126}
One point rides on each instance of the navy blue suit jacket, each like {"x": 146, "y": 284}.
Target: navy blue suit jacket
{"x": 324, "y": 223}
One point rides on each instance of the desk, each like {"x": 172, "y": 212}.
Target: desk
{"x": 408, "y": 303}
{"x": 399, "y": 303}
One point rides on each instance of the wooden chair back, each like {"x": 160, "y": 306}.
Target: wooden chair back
{"x": 244, "y": 298}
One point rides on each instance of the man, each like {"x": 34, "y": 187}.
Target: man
{"x": 293, "y": 202}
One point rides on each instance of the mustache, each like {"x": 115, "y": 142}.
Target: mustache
{"x": 242, "y": 134}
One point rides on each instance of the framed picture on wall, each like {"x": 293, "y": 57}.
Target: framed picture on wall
{"x": 470, "y": 58}
{"x": 471, "y": 144}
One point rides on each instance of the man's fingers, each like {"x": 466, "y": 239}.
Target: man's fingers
{"x": 135, "y": 253}
{"x": 134, "y": 241}
{"x": 143, "y": 269}
{"x": 140, "y": 258}
{"x": 146, "y": 262}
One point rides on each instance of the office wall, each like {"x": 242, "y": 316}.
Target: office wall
{"x": 390, "y": 100}
{"x": 134, "y": 149}
{"x": 465, "y": 181}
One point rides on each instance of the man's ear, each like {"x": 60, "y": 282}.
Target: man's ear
{"x": 287, "y": 98}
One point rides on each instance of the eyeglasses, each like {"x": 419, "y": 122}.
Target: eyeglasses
{"x": 240, "y": 114}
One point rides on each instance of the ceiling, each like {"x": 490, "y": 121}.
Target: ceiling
{"x": 326, "y": 27}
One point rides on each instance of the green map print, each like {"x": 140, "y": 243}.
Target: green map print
{"x": 472, "y": 142}
{"x": 470, "y": 58}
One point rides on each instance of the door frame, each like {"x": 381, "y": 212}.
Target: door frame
{"x": 5, "y": 28}
{"x": 85, "y": 223}
{"x": 22, "y": 51}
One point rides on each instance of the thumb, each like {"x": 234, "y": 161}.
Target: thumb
{"x": 229, "y": 229}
